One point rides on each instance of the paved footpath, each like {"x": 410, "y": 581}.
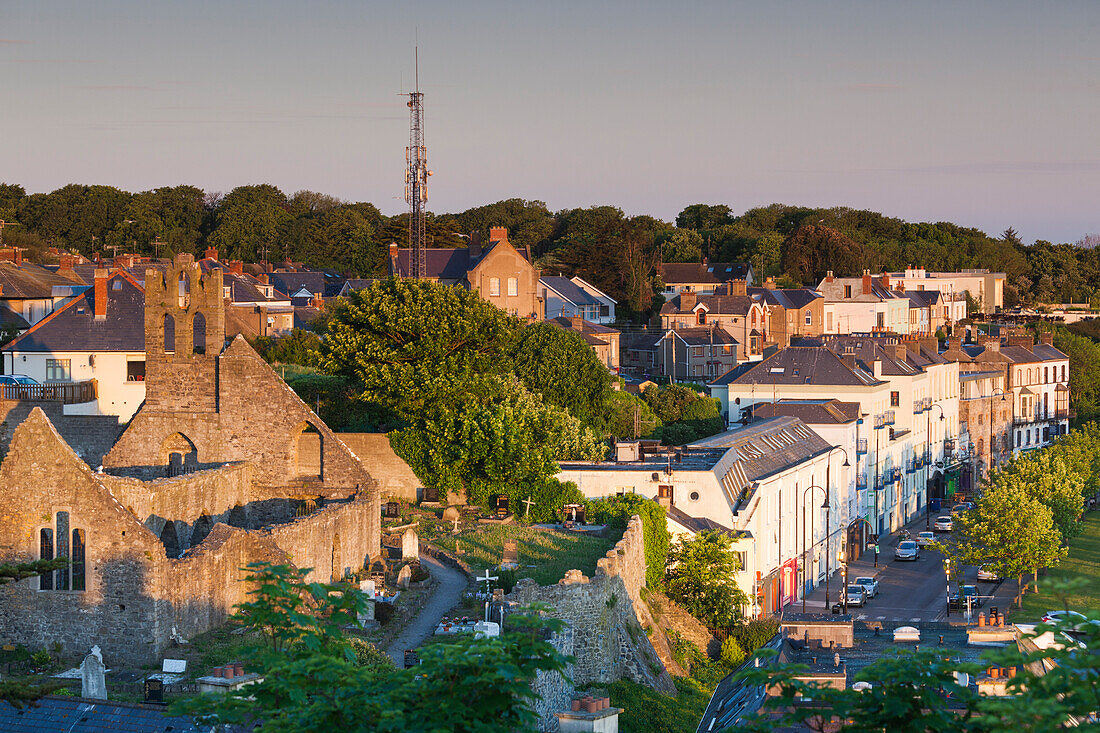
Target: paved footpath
{"x": 448, "y": 587}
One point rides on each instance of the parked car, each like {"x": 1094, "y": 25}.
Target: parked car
{"x": 907, "y": 550}
{"x": 870, "y": 585}
{"x": 962, "y": 506}
{"x": 857, "y": 596}
{"x": 958, "y": 599}
{"x": 12, "y": 380}
{"x": 984, "y": 573}
{"x": 1064, "y": 617}
{"x": 925, "y": 538}
{"x": 944, "y": 523}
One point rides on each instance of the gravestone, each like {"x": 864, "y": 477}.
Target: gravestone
{"x": 366, "y": 616}
{"x": 174, "y": 666}
{"x": 412, "y": 658}
{"x": 404, "y": 577}
{"x": 92, "y": 682}
{"x": 510, "y": 559}
{"x": 502, "y": 507}
{"x": 367, "y": 588}
{"x": 154, "y": 692}
{"x": 410, "y": 545}
{"x": 451, "y": 513}
{"x": 393, "y": 509}
{"x": 431, "y": 494}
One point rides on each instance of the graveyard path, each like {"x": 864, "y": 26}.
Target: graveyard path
{"x": 447, "y": 592}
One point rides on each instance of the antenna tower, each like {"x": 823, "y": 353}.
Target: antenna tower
{"x": 416, "y": 177}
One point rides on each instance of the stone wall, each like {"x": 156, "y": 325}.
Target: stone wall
{"x": 606, "y": 626}
{"x": 91, "y": 436}
{"x": 213, "y": 492}
{"x": 395, "y": 479}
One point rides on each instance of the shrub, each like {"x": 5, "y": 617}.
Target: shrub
{"x": 507, "y": 579}
{"x": 368, "y": 655}
{"x": 419, "y": 574}
{"x": 617, "y": 511}
{"x": 732, "y": 653}
{"x": 756, "y": 633}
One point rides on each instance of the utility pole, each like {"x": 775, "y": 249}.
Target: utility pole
{"x": 416, "y": 178}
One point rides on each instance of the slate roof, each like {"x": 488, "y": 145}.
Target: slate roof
{"x": 811, "y": 412}
{"x": 588, "y": 331}
{"x": 569, "y": 290}
{"x": 445, "y": 263}
{"x": 791, "y": 298}
{"x": 73, "y": 327}
{"x": 696, "y": 524}
{"x": 8, "y": 317}
{"x": 79, "y": 715}
{"x": 715, "y": 304}
{"x": 922, "y": 298}
{"x": 674, "y": 273}
{"x": 799, "y": 365}
{"x": 769, "y": 446}
{"x": 291, "y": 282}
{"x": 28, "y": 281}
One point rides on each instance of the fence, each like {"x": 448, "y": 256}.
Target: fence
{"x": 68, "y": 393}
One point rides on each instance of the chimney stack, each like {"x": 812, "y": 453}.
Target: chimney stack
{"x": 236, "y": 267}
{"x": 1023, "y": 341}
{"x": 738, "y": 287}
{"x": 900, "y": 351}
{"x": 475, "y": 243}
{"x": 1047, "y": 337}
{"x": 393, "y": 250}
{"x": 849, "y": 361}
{"x": 211, "y": 253}
{"x": 101, "y": 294}
{"x": 769, "y": 283}
{"x": 688, "y": 299}
{"x": 66, "y": 262}
{"x": 498, "y": 234}
{"x": 262, "y": 277}
{"x": 866, "y": 282}
{"x": 577, "y": 322}
{"x": 885, "y": 280}
{"x": 829, "y": 276}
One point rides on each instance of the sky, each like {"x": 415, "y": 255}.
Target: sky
{"x": 986, "y": 114}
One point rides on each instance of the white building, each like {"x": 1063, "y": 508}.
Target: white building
{"x": 864, "y": 304}
{"x": 100, "y": 336}
{"x": 762, "y": 483}
{"x": 567, "y": 297}
{"x": 984, "y": 286}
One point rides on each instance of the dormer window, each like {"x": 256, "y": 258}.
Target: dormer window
{"x": 700, "y": 317}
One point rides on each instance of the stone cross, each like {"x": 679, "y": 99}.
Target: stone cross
{"x": 487, "y": 579}
{"x": 456, "y": 525}
{"x": 527, "y": 511}
{"x": 92, "y": 682}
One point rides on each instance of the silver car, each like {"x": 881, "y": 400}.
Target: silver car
{"x": 944, "y": 523}
{"x": 870, "y": 585}
{"x": 856, "y": 595}
{"x": 907, "y": 550}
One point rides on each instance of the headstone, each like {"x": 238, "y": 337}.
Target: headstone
{"x": 367, "y": 588}
{"x": 410, "y": 545}
{"x": 412, "y": 658}
{"x": 92, "y": 682}
{"x": 174, "y": 666}
{"x": 490, "y": 629}
{"x": 502, "y": 507}
{"x": 154, "y": 691}
{"x": 451, "y": 513}
{"x": 510, "y": 558}
{"x": 393, "y": 509}
{"x": 404, "y": 577}
{"x": 366, "y": 616}
{"x": 431, "y": 494}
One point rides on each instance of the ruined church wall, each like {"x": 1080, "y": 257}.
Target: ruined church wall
{"x": 338, "y": 539}
{"x": 185, "y": 498}
{"x": 395, "y": 479}
{"x": 605, "y": 620}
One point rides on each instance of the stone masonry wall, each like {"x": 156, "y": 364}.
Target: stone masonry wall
{"x": 395, "y": 479}
{"x": 91, "y": 436}
{"x": 606, "y": 625}
{"x": 185, "y": 498}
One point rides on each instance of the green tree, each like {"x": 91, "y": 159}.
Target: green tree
{"x": 1010, "y": 531}
{"x": 700, "y": 577}
{"x": 627, "y": 416}
{"x": 814, "y": 249}
{"x": 559, "y": 365}
{"x": 766, "y": 256}
{"x": 247, "y": 223}
{"x": 313, "y": 680}
{"x": 1051, "y": 480}
{"x": 703, "y": 216}
{"x": 682, "y": 245}
{"x": 299, "y": 347}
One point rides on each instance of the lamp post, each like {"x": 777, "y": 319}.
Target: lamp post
{"x": 842, "y": 559}
{"x": 928, "y": 436}
{"x": 947, "y": 572}
{"x": 827, "y": 507}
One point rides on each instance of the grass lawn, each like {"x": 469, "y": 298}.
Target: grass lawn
{"x": 1083, "y": 562}
{"x": 544, "y": 555}
{"x": 648, "y": 711}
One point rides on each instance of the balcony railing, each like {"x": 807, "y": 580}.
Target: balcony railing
{"x": 1062, "y": 415}
{"x": 880, "y": 422}
{"x": 911, "y": 465}
{"x": 861, "y": 481}
{"x": 68, "y": 393}
{"x": 861, "y": 446}
{"x": 888, "y": 417}
{"x": 949, "y": 444}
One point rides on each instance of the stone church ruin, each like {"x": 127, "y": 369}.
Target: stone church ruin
{"x": 223, "y": 465}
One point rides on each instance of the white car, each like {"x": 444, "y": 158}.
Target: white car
{"x": 856, "y": 595}
{"x": 924, "y": 539}
{"x": 1064, "y": 617}
{"x": 944, "y": 523}
{"x": 985, "y": 574}
{"x": 870, "y": 585}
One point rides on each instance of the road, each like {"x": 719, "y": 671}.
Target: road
{"x": 446, "y": 593}
{"x": 909, "y": 591}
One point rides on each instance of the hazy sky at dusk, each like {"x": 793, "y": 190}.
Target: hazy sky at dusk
{"x": 983, "y": 113}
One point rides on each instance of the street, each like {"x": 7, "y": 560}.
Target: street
{"x": 909, "y": 591}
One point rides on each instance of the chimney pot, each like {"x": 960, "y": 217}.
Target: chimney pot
{"x": 866, "y": 282}
{"x": 829, "y": 276}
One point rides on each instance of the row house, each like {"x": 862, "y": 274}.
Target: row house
{"x": 499, "y": 272}
{"x": 565, "y": 297}
{"x": 30, "y": 292}
{"x": 909, "y": 418}
{"x": 696, "y": 354}
{"x": 792, "y": 312}
{"x": 986, "y": 287}
{"x": 759, "y": 483}
{"x": 863, "y": 305}
{"x": 603, "y": 340}
{"x": 703, "y": 277}
{"x": 985, "y": 419}
{"x": 730, "y": 308}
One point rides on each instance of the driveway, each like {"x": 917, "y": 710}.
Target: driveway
{"x": 447, "y": 592}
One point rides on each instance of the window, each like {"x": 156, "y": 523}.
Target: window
{"x": 847, "y": 291}
{"x": 513, "y": 287}
{"x": 57, "y": 370}
{"x": 169, "y": 334}
{"x": 880, "y": 320}
{"x": 895, "y": 399}
{"x": 809, "y": 318}
{"x": 754, "y": 344}
{"x": 1063, "y": 372}
{"x": 67, "y": 578}
{"x": 696, "y": 350}
{"x": 494, "y": 286}
{"x": 754, "y": 318}
{"x": 697, "y": 370}
{"x": 1046, "y": 375}
{"x": 605, "y": 311}
{"x": 701, "y": 317}
{"x": 694, "y": 496}
{"x": 198, "y": 333}
{"x": 135, "y": 371}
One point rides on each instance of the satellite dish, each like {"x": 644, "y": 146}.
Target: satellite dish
{"x": 962, "y": 678}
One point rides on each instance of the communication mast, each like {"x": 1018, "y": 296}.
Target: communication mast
{"x": 416, "y": 178}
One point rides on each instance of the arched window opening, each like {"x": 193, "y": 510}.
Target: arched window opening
{"x": 170, "y": 539}
{"x": 1046, "y": 405}
{"x": 701, "y": 317}
{"x": 198, "y": 343}
{"x": 169, "y": 334}
{"x": 309, "y": 454}
{"x": 45, "y": 552}
{"x": 184, "y": 290}
{"x": 53, "y": 543}
{"x": 179, "y": 455}
{"x": 337, "y": 570}
{"x": 202, "y": 528}
{"x": 78, "y": 559}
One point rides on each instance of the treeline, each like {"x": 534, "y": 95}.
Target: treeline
{"x": 620, "y": 254}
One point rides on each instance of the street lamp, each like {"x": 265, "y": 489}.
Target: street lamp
{"x": 842, "y": 559}
{"x": 947, "y": 572}
{"x": 828, "y": 509}
{"x": 927, "y": 481}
